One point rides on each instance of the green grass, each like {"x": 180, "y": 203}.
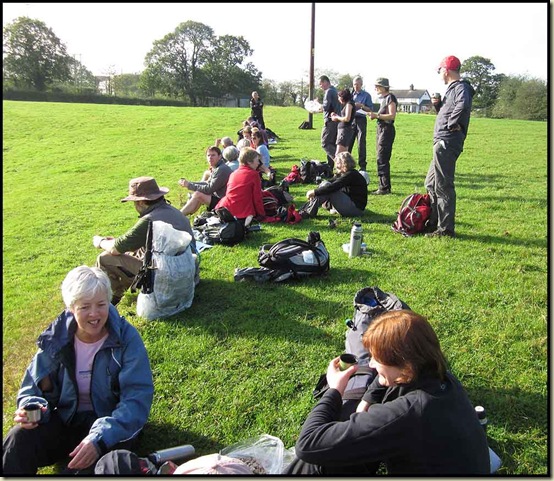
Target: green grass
{"x": 243, "y": 360}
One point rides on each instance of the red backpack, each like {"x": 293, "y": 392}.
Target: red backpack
{"x": 413, "y": 214}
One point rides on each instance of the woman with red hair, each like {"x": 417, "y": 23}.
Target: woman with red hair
{"x": 415, "y": 417}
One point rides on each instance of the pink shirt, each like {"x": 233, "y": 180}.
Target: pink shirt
{"x": 84, "y": 357}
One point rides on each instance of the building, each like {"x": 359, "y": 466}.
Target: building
{"x": 412, "y": 100}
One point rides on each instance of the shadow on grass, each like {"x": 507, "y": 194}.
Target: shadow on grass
{"x": 507, "y": 239}
{"x": 517, "y": 412}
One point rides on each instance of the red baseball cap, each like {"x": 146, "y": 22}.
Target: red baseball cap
{"x": 450, "y": 63}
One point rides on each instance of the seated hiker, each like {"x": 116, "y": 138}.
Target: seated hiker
{"x": 86, "y": 408}
{"x": 415, "y": 416}
{"x": 261, "y": 148}
{"x": 123, "y": 256}
{"x": 231, "y": 157}
{"x": 208, "y": 192}
{"x": 344, "y": 194}
{"x": 244, "y": 189}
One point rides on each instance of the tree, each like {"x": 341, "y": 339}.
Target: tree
{"x": 345, "y": 82}
{"x": 479, "y": 72}
{"x": 34, "y": 57}
{"x": 177, "y": 60}
{"x": 522, "y": 98}
{"x": 126, "y": 85}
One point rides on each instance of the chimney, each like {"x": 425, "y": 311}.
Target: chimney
{"x": 411, "y": 86}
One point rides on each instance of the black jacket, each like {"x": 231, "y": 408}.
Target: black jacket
{"x": 427, "y": 427}
{"x": 352, "y": 183}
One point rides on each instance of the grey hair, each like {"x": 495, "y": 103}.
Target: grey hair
{"x": 227, "y": 141}
{"x": 347, "y": 159}
{"x": 85, "y": 282}
{"x": 356, "y": 78}
{"x": 231, "y": 153}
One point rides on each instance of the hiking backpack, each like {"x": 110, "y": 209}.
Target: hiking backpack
{"x": 222, "y": 227}
{"x": 369, "y": 302}
{"x": 311, "y": 169}
{"x": 413, "y": 214}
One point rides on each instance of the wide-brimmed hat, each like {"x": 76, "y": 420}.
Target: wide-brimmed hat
{"x": 382, "y": 82}
{"x": 144, "y": 188}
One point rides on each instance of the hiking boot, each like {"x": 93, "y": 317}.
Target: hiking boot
{"x": 441, "y": 233}
{"x": 381, "y": 192}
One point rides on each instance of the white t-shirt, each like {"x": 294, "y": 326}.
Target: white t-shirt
{"x": 84, "y": 357}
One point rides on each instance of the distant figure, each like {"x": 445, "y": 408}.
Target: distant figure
{"x": 208, "y": 192}
{"x": 363, "y": 102}
{"x": 257, "y": 109}
{"x": 345, "y": 128}
{"x": 451, "y": 127}
{"x": 330, "y": 105}
{"x": 385, "y": 134}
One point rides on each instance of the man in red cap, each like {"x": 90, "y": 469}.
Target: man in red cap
{"x": 122, "y": 257}
{"x": 451, "y": 126}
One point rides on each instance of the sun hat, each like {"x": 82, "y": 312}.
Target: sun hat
{"x": 214, "y": 464}
{"x": 450, "y": 63}
{"x": 382, "y": 82}
{"x": 144, "y": 188}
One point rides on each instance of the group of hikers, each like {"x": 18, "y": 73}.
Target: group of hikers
{"x": 91, "y": 378}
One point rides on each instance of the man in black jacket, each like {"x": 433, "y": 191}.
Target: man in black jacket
{"x": 451, "y": 127}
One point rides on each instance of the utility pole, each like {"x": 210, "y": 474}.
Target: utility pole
{"x": 312, "y": 55}
{"x": 309, "y": 123}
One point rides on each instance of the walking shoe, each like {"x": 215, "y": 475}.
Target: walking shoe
{"x": 381, "y": 192}
{"x": 333, "y": 211}
{"x": 441, "y": 233}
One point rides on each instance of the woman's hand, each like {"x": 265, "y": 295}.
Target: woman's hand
{"x": 337, "y": 379}
{"x": 83, "y": 455}
{"x": 184, "y": 183}
{"x": 310, "y": 194}
{"x": 20, "y": 417}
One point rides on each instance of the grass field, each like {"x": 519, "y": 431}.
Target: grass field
{"x": 243, "y": 360}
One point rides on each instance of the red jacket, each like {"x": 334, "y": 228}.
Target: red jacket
{"x": 244, "y": 194}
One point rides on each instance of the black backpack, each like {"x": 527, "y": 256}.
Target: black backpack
{"x": 369, "y": 302}
{"x": 226, "y": 230}
{"x": 302, "y": 258}
{"x": 311, "y": 169}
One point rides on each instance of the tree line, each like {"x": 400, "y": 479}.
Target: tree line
{"x": 193, "y": 65}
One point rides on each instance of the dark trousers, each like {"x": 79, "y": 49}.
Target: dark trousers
{"x": 360, "y": 126}
{"x": 385, "y": 138}
{"x": 338, "y": 200}
{"x": 329, "y": 141}
{"x": 26, "y": 450}
{"x": 440, "y": 184}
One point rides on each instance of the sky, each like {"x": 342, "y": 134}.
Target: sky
{"x": 403, "y": 42}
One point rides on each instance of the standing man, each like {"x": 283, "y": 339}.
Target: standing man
{"x": 329, "y": 132}
{"x": 122, "y": 257}
{"x": 257, "y": 109}
{"x": 451, "y": 126}
{"x": 363, "y": 101}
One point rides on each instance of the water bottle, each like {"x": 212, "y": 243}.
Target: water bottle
{"x": 356, "y": 235}
{"x": 172, "y": 454}
{"x": 482, "y": 416}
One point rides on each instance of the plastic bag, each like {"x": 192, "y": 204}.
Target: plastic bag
{"x": 265, "y": 454}
{"x": 174, "y": 274}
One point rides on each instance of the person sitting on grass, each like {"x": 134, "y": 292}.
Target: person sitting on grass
{"x": 344, "y": 194}
{"x": 123, "y": 256}
{"x": 415, "y": 416}
{"x": 231, "y": 157}
{"x": 209, "y": 191}
{"x": 244, "y": 189}
{"x": 91, "y": 378}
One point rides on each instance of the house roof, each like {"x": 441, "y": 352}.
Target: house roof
{"x": 409, "y": 94}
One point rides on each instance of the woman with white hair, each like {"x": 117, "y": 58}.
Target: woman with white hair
{"x": 91, "y": 378}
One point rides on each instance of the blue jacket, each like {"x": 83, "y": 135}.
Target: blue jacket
{"x": 121, "y": 384}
